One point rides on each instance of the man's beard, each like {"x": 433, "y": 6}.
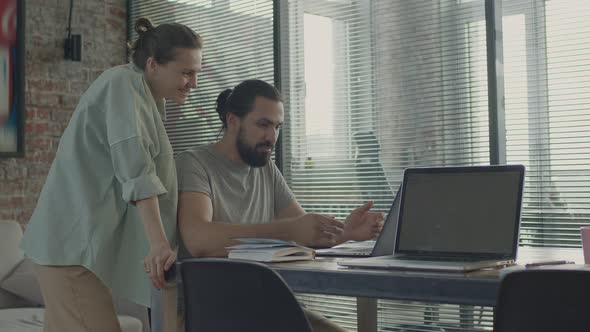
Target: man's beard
{"x": 250, "y": 155}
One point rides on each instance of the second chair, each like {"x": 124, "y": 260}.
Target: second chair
{"x": 544, "y": 300}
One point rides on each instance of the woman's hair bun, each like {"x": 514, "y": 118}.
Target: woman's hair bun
{"x": 143, "y": 25}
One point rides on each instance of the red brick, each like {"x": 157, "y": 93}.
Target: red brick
{"x": 39, "y": 143}
{"x": 36, "y": 69}
{"x": 37, "y": 172}
{"x": 40, "y": 157}
{"x": 34, "y": 113}
{"x": 33, "y": 128}
{"x": 57, "y": 129}
{"x": 46, "y": 85}
{"x": 11, "y": 202}
{"x": 15, "y": 171}
{"x": 42, "y": 99}
{"x": 8, "y": 214}
{"x": 114, "y": 24}
{"x": 12, "y": 188}
{"x": 117, "y": 12}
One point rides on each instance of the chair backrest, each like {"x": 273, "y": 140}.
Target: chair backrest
{"x": 544, "y": 300}
{"x": 229, "y": 295}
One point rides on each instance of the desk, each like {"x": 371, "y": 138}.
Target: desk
{"x": 325, "y": 276}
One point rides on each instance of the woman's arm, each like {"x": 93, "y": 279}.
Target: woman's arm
{"x": 161, "y": 256}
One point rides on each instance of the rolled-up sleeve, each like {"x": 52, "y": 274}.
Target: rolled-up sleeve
{"x": 135, "y": 170}
{"x": 133, "y": 140}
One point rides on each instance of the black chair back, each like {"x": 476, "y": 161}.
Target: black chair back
{"x": 230, "y": 295}
{"x": 544, "y": 300}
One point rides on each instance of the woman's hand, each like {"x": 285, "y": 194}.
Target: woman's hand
{"x": 159, "y": 259}
{"x": 161, "y": 256}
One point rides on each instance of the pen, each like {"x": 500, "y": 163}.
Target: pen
{"x": 548, "y": 263}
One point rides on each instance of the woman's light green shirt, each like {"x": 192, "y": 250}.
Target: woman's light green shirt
{"x": 114, "y": 151}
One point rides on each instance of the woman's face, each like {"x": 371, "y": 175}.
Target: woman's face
{"x": 175, "y": 79}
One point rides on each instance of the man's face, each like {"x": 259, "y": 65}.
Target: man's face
{"x": 258, "y": 131}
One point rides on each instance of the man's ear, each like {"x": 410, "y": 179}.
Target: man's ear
{"x": 233, "y": 121}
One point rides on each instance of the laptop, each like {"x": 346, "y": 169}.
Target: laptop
{"x": 382, "y": 246}
{"x": 455, "y": 219}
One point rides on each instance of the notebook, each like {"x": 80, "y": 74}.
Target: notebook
{"x": 382, "y": 246}
{"x": 269, "y": 250}
{"x": 455, "y": 219}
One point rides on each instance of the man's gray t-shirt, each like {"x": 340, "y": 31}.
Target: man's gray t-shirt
{"x": 240, "y": 194}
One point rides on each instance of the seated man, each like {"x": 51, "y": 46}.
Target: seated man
{"x": 230, "y": 189}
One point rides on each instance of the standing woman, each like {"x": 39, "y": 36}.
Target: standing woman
{"x": 106, "y": 218}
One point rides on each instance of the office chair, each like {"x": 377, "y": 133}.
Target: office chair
{"x": 228, "y": 295}
{"x": 543, "y": 300}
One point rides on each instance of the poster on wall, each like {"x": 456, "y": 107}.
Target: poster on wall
{"x": 11, "y": 78}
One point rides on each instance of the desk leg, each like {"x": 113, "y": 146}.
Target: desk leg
{"x": 169, "y": 309}
{"x": 366, "y": 314}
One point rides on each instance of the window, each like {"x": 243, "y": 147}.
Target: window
{"x": 391, "y": 84}
{"x": 547, "y": 80}
{"x": 319, "y": 58}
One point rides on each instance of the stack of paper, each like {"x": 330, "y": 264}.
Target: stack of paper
{"x": 269, "y": 250}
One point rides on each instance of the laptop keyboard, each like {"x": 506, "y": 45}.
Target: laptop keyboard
{"x": 441, "y": 259}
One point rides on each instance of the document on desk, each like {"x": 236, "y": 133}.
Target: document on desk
{"x": 269, "y": 250}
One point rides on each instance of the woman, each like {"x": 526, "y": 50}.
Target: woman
{"x": 111, "y": 194}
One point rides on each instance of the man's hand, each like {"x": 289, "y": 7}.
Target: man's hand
{"x": 362, "y": 224}
{"x": 315, "y": 230}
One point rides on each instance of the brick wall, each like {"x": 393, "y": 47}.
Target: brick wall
{"x": 53, "y": 87}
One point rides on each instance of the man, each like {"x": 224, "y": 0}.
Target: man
{"x": 231, "y": 189}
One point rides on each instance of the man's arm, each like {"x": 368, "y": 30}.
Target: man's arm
{"x": 292, "y": 211}
{"x": 205, "y": 238}
{"x": 362, "y": 224}
{"x": 202, "y": 237}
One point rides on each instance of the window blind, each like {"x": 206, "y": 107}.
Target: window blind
{"x": 238, "y": 45}
{"x": 547, "y": 80}
{"x": 374, "y": 87}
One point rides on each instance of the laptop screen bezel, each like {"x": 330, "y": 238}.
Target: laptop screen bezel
{"x": 469, "y": 169}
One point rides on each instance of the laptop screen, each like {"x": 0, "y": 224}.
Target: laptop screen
{"x": 461, "y": 210}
